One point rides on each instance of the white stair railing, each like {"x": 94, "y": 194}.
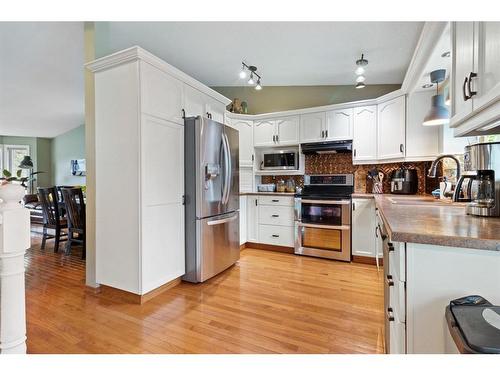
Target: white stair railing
{"x": 14, "y": 240}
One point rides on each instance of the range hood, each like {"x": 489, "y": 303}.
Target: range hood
{"x": 331, "y": 147}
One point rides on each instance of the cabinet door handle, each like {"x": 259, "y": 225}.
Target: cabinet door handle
{"x": 275, "y": 215}
{"x": 354, "y": 152}
{"x": 389, "y": 314}
{"x": 471, "y": 93}
{"x": 274, "y": 139}
{"x": 322, "y": 134}
{"x": 353, "y": 206}
{"x": 275, "y": 235}
{"x": 183, "y": 113}
{"x": 466, "y": 97}
{"x": 390, "y": 246}
{"x": 389, "y": 281}
{"x": 326, "y": 133}
{"x": 256, "y": 202}
{"x": 277, "y": 138}
{"x": 401, "y": 148}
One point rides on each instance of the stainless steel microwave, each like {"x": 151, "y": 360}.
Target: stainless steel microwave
{"x": 280, "y": 160}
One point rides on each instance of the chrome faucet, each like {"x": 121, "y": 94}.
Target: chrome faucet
{"x": 433, "y": 169}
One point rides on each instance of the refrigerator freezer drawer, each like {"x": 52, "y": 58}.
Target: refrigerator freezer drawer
{"x": 218, "y": 244}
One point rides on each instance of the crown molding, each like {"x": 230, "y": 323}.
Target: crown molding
{"x": 429, "y": 38}
{"x": 137, "y": 53}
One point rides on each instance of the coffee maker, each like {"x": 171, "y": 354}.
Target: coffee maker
{"x": 482, "y": 164}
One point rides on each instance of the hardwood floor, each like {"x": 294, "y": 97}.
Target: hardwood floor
{"x": 267, "y": 303}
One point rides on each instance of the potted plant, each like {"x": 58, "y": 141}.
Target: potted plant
{"x": 11, "y": 194}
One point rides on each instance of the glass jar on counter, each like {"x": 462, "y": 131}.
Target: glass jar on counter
{"x": 290, "y": 185}
{"x": 281, "y": 186}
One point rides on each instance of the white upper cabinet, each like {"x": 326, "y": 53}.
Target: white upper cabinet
{"x": 462, "y": 66}
{"x": 423, "y": 141}
{"x": 282, "y": 131}
{"x": 216, "y": 110}
{"x": 264, "y": 133}
{"x": 391, "y": 129}
{"x": 313, "y": 127}
{"x": 197, "y": 103}
{"x": 339, "y": 124}
{"x": 475, "y": 78}
{"x": 194, "y": 102}
{"x": 487, "y": 64}
{"x": 245, "y": 129}
{"x": 287, "y": 129}
{"x": 161, "y": 94}
{"x": 365, "y": 133}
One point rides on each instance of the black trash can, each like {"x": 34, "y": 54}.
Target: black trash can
{"x": 474, "y": 325}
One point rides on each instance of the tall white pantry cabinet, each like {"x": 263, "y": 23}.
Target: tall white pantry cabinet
{"x": 139, "y": 140}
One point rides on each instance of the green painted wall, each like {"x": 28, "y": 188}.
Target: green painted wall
{"x": 65, "y": 147}
{"x": 282, "y": 98}
{"x": 40, "y": 154}
{"x": 44, "y": 161}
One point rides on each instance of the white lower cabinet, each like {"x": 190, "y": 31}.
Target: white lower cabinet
{"x": 243, "y": 219}
{"x": 270, "y": 220}
{"x": 276, "y": 235}
{"x": 276, "y": 220}
{"x": 252, "y": 217}
{"x": 363, "y": 227}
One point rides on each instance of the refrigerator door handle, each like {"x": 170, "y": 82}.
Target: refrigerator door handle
{"x": 227, "y": 167}
{"x": 222, "y": 221}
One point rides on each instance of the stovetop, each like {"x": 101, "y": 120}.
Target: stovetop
{"x": 327, "y": 187}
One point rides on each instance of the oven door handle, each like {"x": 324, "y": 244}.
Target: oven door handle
{"x": 320, "y": 226}
{"x": 344, "y": 202}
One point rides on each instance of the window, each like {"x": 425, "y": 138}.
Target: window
{"x": 12, "y": 156}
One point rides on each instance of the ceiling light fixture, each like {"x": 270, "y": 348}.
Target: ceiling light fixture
{"x": 446, "y": 54}
{"x": 258, "y": 86}
{"x": 360, "y": 70}
{"x": 245, "y": 69}
{"x": 427, "y": 85}
{"x": 438, "y": 114}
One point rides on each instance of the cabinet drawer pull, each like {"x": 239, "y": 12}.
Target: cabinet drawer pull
{"x": 466, "y": 97}
{"x": 276, "y": 235}
{"x": 471, "y": 93}
{"x": 275, "y": 215}
{"x": 389, "y": 314}
{"x": 275, "y": 200}
{"x": 389, "y": 281}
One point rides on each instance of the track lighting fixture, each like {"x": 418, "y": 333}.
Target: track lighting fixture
{"x": 360, "y": 71}
{"x": 245, "y": 69}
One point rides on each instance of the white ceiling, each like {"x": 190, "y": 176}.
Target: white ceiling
{"x": 41, "y": 78}
{"x": 286, "y": 53}
{"x": 436, "y": 61}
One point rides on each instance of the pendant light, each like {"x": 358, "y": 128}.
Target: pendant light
{"x": 438, "y": 114}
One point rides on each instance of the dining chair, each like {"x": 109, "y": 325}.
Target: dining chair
{"x": 75, "y": 209}
{"x": 52, "y": 217}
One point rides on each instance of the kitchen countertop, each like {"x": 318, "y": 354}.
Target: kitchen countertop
{"x": 423, "y": 219}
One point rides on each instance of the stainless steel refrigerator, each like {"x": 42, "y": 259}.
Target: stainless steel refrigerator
{"x": 212, "y": 198}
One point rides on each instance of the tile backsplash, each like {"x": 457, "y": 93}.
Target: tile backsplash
{"x": 342, "y": 163}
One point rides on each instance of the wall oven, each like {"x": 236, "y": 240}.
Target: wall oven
{"x": 280, "y": 160}
{"x": 323, "y": 217}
